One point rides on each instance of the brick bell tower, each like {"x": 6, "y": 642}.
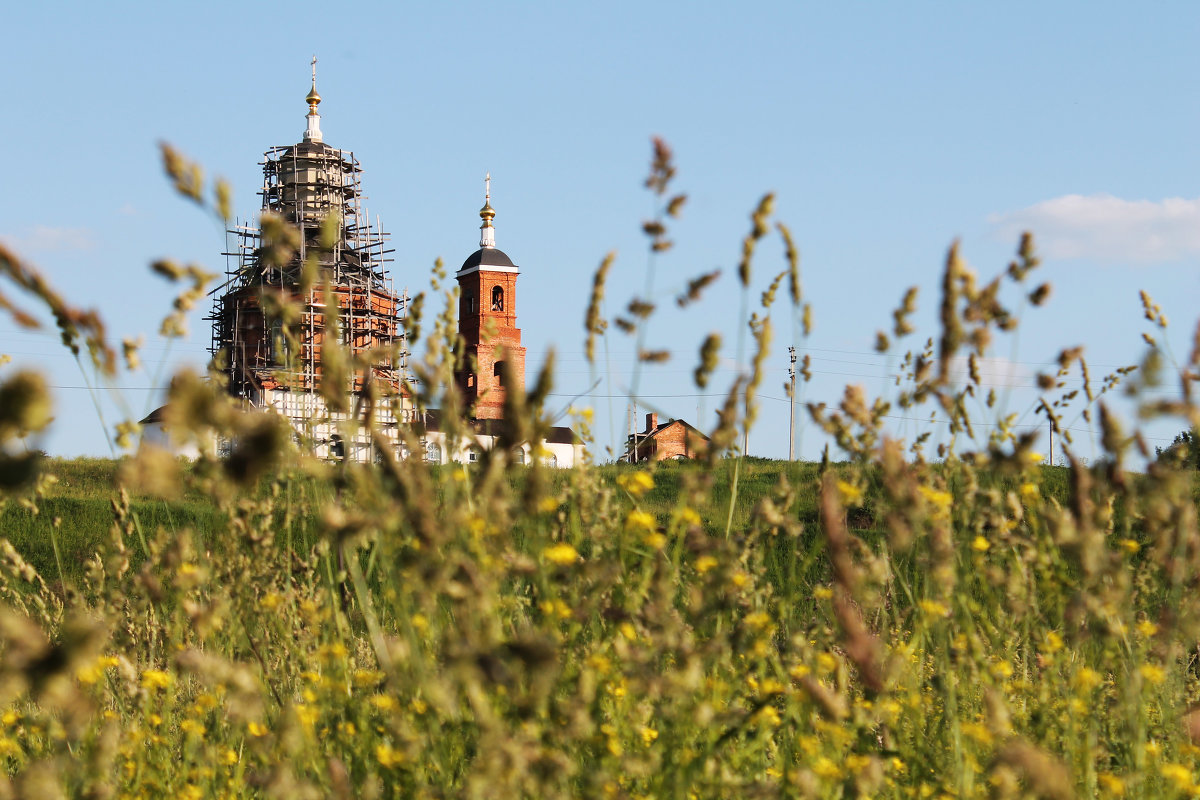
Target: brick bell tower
{"x": 487, "y": 321}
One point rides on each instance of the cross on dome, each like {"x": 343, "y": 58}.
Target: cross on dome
{"x": 487, "y": 233}
{"x": 313, "y": 132}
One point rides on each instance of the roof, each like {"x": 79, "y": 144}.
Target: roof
{"x": 155, "y": 416}
{"x": 664, "y": 425}
{"x": 487, "y": 257}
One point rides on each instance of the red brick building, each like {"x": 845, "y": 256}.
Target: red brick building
{"x": 487, "y": 321}
{"x": 673, "y": 439}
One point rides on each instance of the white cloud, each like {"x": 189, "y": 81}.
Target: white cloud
{"x": 1101, "y": 227}
{"x": 44, "y": 238}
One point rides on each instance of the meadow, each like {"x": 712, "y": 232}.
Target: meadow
{"x": 885, "y": 623}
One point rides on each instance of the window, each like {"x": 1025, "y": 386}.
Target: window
{"x": 470, "y": 304}
{"x": 498, "y": 373}
{"x": 433, "y": 453}
{"x": 472, "y": 456}
{"x": 518, "y": 455}
{"x": 497, "y": 298}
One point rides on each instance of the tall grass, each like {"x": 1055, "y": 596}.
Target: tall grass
{"x": 260, "y": 624}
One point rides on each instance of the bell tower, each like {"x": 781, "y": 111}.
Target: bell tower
{"x": 487, "y": 321}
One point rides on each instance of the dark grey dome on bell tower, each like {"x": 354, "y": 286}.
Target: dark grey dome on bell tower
{"x": 487, "y": 257}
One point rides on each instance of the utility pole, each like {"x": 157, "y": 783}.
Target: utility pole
{"x": 1051, "y": 424}
{"x": 792, "y": 405}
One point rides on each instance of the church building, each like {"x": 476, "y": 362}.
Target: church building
{"x": 284, "y": 367}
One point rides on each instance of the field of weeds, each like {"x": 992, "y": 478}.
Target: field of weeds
{"x": 884, "y": 626}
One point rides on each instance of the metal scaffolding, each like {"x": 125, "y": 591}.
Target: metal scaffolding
{"x": 268, "y": 365}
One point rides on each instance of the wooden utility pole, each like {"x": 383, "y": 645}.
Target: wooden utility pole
{"x": 792, "y": 405}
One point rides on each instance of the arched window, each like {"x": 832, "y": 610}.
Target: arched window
{"x": 433, "y": 453}
{"x": 497, "y": 298}
{"x": 518, "y": 455}
{"x": 498, "y": 373}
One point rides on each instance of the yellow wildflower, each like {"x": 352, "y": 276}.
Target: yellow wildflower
{"x": 192, "y": 727}
{"x": 270, "y": 601}
{"x": 230, "y": 756}
{"x": 759, "y": 620}
{"x": 547, "y": 504}
{"x": 934, "y": 609}
{"x": 388, "y": 756}
{"x": 1111, "y": 784}
{"x": 1087, "y": 679}
{"x": 256, "y": 729}
{"x": 307, "y": 715}
{"x": 1129, "y": 546}
{"x": 636, "y": 483}
{"x": 156, "y": 679}
{"x": 561, "y": 554}
{"x": 1053, "y": 643}
{"x": 1030, "y": 491}
{"x": 938, "y": 499}
{"x": 332, "y": 651}
{"x": 1147, "y": 628}
{"x": 383, "y": 702}
{"x": 648, "y": 735}
{"x": 822, "y": 593}
{"x": 638, "y": 521}
{"x": 705, "y": 563}
{"x": 656, "y": 540}
{"x": 1153, "y": 673}
{"x": 981, "y": 544}
{"x": 367, "y": 677}
{"x": 1177, "y": 774}
{"x": 419, "y": 622}
{"x": 978, "y": 732}
{"x": 850, "y": 494}
{"x": 769, "y": 716}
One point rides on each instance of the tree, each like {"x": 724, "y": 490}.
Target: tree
{"x": 1184, "y": 451}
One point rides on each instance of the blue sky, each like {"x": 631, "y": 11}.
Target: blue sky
{"x": 886, "y": 131}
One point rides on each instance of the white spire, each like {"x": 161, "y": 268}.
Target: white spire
{"x": 313, "y": 132}
{"x": 487, "y": 234}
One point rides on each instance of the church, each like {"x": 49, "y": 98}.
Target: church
{"x": 284, "y": 367}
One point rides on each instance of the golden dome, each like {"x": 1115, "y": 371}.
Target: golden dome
{"x": 487, "y": 212}
{"x": 313, "y": 98}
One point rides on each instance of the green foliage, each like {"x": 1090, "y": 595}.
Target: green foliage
{"x": 1183, "y": 452}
